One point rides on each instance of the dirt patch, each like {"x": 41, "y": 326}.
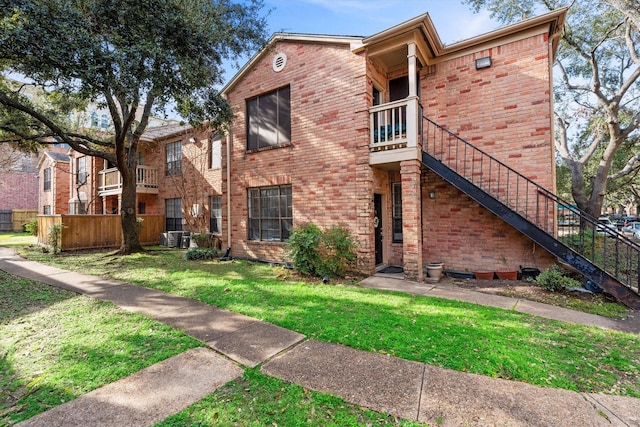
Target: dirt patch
{"x": 528, "y": 290}
{"x": 582, "y": 300}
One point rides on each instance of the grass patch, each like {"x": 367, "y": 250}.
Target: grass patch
{"x": 258, "y": 400}
{"x": 56, "y": 346}
{"x": 450, "y": 334}
{"x": 17, "y": 239}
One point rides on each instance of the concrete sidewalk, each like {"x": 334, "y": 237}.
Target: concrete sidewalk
{"x": 407, "y": 389}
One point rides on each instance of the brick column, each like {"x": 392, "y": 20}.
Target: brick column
{"x": 411, "y": 219}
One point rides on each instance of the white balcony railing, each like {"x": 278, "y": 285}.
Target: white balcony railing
{"x": 394, "y": 125}
{"x": 110, "y": 181}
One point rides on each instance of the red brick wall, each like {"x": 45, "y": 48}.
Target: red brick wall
{"x": 504, "y": 110}
{"x": 467, "y": 237}
{"x": 327, "y": 162}
{"x": 18, "y": 190}
{"x": 194, "y": 186}
{"x": 59, "y": 195}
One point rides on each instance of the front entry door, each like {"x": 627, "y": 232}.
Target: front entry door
{"x": 377, "y": 226}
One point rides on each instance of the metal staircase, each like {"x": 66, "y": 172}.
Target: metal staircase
{"x": 602, "y": 255}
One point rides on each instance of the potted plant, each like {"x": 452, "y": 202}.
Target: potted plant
{"x": 507, "y": 274}
{"x": 434, "y": 270}
{"x": 483, "y": 275}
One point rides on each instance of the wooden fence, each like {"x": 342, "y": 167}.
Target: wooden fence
{"x": 97, "y": 231}
{"x": 22, "y": 216}
{"x": 15, "y": 219}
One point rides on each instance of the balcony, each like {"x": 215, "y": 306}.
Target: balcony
{"x": 110, "y": 181}
{"x": 394, "y": 132}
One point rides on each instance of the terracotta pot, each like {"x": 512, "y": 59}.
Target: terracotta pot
{"x": 507, "y": 275}
{"x": 483, "y": 275}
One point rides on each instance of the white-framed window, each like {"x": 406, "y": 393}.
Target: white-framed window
{"x": 215, "y": 214}
{"x": 215, "y": 152}
{"x": 104, "y": 122}
{"x": 173, "y": 158}
{"x": 94, "y": 119}
{"x": 46, "y": 186}
{"x": 81, "y": 170}
{"x": 173, "y": 214}
{"x": 270, "y": 213}
{"x": 396, "y": 197}
{"x": 46, "y": 209}
{"x": 77, "y": 208}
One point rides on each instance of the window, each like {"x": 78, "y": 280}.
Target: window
{"x": 77, "y": 208}
{"x": 94, "y": 120}
{"x": 81, "y": 168}
{"x": 215, "y": 153}
{"x": 396, "y": 190}
{"x": 142, "y": 208}
{"x": 270, "y": 213}
{"x": 215, "y": 214}
{"x": 269, "y": 120}
{"x": 174, "y": 158}
{"x": 173, "y": 214}
{"x": 47, "y": 179}
{"x": 46, "y": 210}
{"x": 104, "y": 122}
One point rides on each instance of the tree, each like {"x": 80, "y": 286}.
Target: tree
{"x": 134, "y": 58}
{"x": 597, "y": 91}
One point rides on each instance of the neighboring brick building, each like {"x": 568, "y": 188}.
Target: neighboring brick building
{"x": 18, "y": 179}
{"x": 179, "y": 176}
{"x": 331, "y": 130}
{"x": 53, "y": 182}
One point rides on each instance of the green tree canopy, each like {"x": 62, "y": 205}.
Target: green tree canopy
{"x": 132, "y": 57}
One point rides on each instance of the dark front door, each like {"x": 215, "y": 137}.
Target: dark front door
{"x": 377, "y": 226}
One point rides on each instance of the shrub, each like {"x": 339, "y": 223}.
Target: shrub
{"x": 304, "y": 244}
{"x": 552, "y": 279}
{"x": 194, "y": 254}
{"x": 322, "y": 252}
{"x": 337, "y": 250}
{"x": 54, "y": 238}
{"x": 31, "y": 227}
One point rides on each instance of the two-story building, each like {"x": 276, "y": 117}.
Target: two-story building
{"x": 334, "y": 129}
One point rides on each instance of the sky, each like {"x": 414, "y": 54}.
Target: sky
{"x": 452, "y": 19}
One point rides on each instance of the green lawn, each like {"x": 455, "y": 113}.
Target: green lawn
{"x": 56, "y": 346}
{"x": 450, "y": 334}
{"x": 16, "y": 239}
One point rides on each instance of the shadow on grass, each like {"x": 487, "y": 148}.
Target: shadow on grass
{"x": 56, "y": 346}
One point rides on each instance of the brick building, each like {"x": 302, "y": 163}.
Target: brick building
{"x": 18, "y": 179}
{"x": 54, "y": 182}
{"x": 334, "y": 130}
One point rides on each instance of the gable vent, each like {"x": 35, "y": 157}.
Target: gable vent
{"x": 279, "y": 61}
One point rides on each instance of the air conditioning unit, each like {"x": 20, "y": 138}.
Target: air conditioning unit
{"x": 196, "y": 210}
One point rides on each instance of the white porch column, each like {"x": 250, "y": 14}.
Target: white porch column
{"x": 413, "y": 70}
{"x": 412, "y": 105}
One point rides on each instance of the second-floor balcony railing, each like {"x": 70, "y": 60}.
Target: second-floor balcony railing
{"x": 388, "y": 124}
{"x": 110, "y": 181}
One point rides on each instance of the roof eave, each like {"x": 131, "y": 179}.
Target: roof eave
{"x": 555, "y": 19}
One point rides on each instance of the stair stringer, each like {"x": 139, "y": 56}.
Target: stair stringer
{"x": 558, "y": 249}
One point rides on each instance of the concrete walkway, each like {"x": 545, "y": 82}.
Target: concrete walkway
{"x": 407, "y": 389}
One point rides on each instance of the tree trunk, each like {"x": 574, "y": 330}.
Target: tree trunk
{"x": 128, "y": 214}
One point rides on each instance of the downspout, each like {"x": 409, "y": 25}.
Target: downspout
{"x": 228, "y": 193}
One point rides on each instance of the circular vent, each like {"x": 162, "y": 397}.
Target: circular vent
{"x": 279, "y": 61}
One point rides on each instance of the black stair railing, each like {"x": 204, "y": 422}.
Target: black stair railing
{"x": 600, "y": 244}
